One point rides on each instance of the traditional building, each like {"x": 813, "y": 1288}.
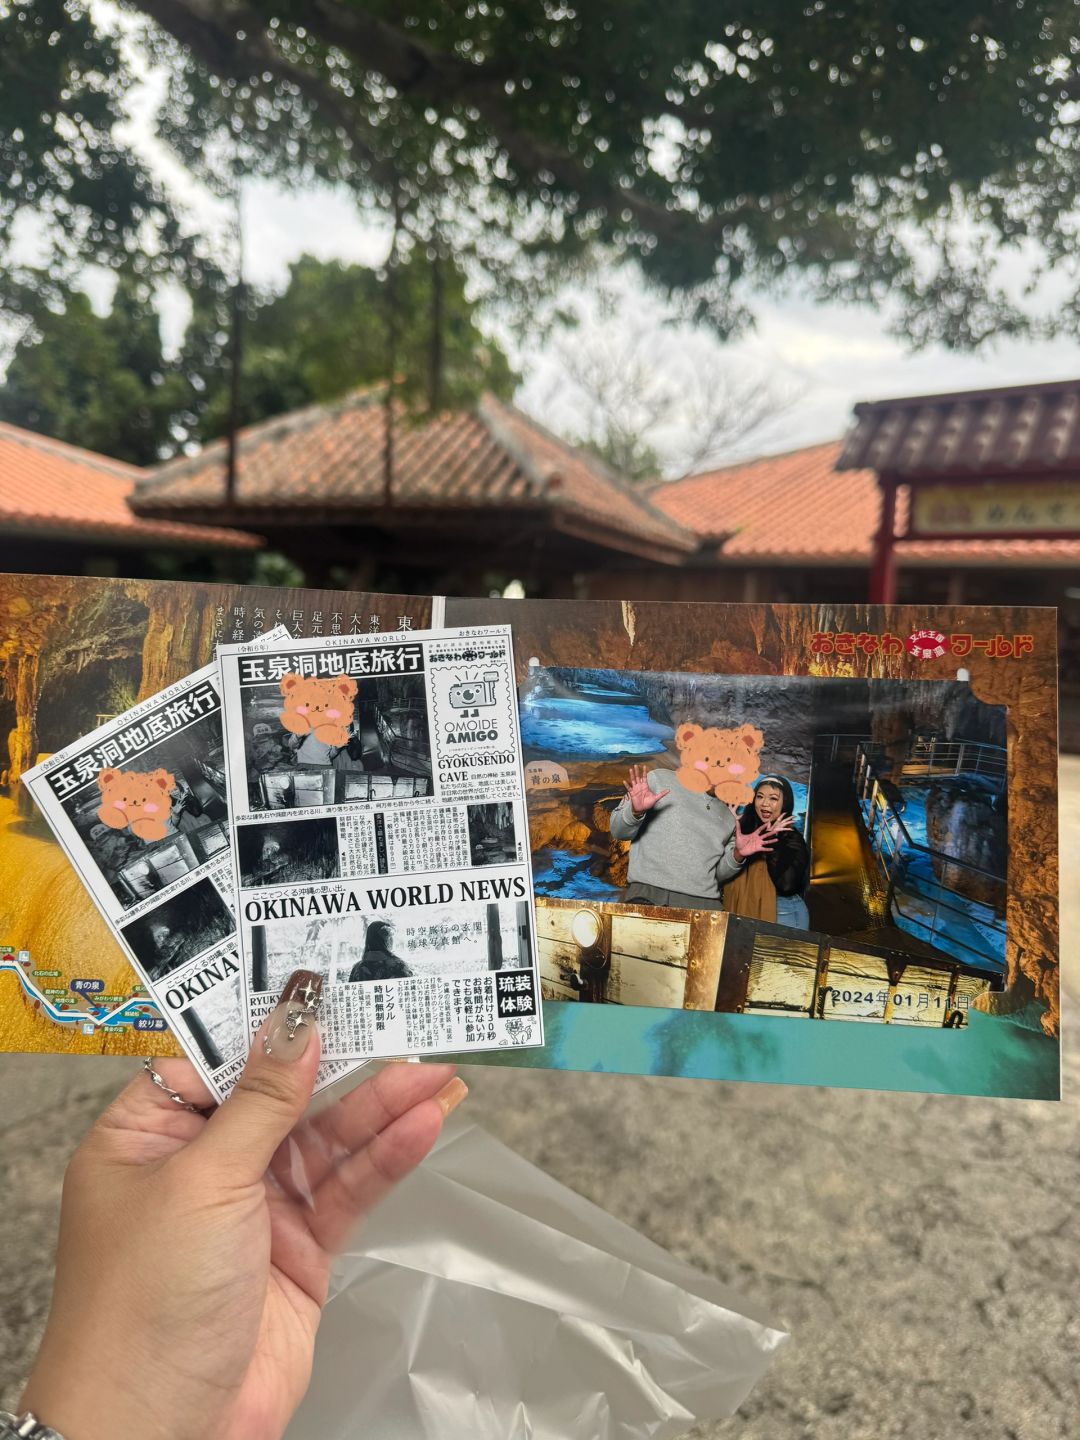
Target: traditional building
{"x": 65, "y": 511}
{"x": 964, "y": 498}
{"x": 453, "y": 503}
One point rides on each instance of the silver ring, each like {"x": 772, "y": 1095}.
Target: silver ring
{"x": 174, "y": 1095}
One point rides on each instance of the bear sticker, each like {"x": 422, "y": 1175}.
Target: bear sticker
{"x": 136, "y": 800}
{"x": 727, "y": 762}
{"x": 323, "y": 708}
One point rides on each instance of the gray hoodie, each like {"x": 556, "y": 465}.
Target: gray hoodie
{"x": 686, "y": 842}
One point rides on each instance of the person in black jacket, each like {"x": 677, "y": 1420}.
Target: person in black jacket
{"x": 772, "y": 886}
{"x": 379, "y": 961}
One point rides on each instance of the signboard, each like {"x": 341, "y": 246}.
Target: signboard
{"x": 1003, "y": 509}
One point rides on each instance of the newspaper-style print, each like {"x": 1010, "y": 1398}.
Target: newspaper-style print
{"x": 378, "y": 808}
{"x": 139, "y": 807}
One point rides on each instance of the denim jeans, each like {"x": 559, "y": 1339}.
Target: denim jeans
{"x": 791, "y": 910}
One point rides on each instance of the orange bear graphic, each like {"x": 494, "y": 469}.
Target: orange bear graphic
{"x": 727, "y": 762}
{"x": 321, "y": 707}
{"x": 137, "y": 800}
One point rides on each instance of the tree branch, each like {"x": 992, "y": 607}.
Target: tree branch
{"x": 210, "y": 32}
{"x": 418, "y": 72}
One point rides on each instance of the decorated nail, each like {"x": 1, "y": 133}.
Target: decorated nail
{"x": 293, "y": 1021}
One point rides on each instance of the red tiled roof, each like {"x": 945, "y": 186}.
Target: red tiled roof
{"x": 52, "y": 489}
{"x": 798, "y": 508}
{"x": 791, "y": 507}
{"x": 327, "y": 462}
{"x": 1018, "y": 429}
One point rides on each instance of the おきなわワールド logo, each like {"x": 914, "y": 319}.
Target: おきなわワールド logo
{"x": 925, "y": 645}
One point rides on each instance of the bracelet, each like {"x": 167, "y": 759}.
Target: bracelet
{"x": 25, "y": 1427}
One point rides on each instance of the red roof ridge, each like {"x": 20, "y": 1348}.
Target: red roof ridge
{"x": 19, "y": 435}
{"x": 488, "y": 409}
{"x": 766, "y": 457}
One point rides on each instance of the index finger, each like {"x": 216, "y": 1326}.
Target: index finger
{"x": 365, "y": 1176}
{"x": 308, "y": 1155}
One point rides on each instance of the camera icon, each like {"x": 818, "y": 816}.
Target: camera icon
{"x": 475, "y": 694}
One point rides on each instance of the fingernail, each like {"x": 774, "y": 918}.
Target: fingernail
{"x": 293, "y": 1022}
{"x": 451, "y": 1094}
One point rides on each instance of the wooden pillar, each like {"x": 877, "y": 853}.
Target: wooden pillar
{"x": 883, "y": 568}
{"x": 494, "y": 938}
{"x": 259, "y": 976}
{"x": 203, "y": 1039}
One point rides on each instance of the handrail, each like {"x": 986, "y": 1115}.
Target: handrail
{"x": 894, "y": 847}
{"x": 893, "y": 853}
{"x": 986, "y": 758}
{"x": 929, "y": 849}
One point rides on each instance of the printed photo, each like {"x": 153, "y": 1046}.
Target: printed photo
{"x": 455, "y": 940}
{"x": 677, "y": 959}
{"x": 180, "y": 928}
{"x": 215, "y": 1023}
{"x": 288, "y": 852}
{"x": 182, "y": 779}
{"x": 492, "y": 837}
{"x": 368, "y": 740}
{"x": 869, "y": 812}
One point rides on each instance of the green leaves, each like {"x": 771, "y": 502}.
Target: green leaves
{"x": 105, "y": 383}
{"x": 721, "y": 145}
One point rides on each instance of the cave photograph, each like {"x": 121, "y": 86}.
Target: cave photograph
{"x": 194, "y": 815}
{"x": 871, "y": 812}
{"x": 179, "y": 929}
{"x": 383, "y": 751}
{"x": 288, "y": 852}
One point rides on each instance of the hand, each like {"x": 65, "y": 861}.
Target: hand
{"x": 194, "y": 1253}
{"x": 641, "y": 798}
{"x": 762, "y": 840}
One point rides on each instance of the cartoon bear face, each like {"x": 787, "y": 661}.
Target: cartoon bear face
{"x": 136, "y": 800}
{"x": 323, "y": 708}
{"x": 724, "y": 761}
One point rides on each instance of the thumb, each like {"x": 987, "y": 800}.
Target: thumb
{"x": 275, "y": 1086}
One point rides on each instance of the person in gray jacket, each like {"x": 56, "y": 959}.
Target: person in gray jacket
{"x": 684, "y": 843}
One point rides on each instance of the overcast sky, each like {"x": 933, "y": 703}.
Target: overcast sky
{"x": 832, "y": 355}
{"x": 828, "y": 356}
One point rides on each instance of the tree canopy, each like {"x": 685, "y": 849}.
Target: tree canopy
{"x": 721, "y": 145}
{"x": 98, "y": 381}
{"x": 105, "y": 382}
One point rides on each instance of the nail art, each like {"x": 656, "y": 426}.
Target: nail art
{"x": 286, "y": 1036}
{"x": 452, "y": 1094}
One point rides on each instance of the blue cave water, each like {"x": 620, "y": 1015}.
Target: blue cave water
{"x": 570, "y": 727}
{"x": 966, "y": 929}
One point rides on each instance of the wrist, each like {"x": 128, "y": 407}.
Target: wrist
{"x": 82, "y": 1402}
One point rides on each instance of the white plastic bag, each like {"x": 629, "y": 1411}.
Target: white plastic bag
{"x": 485, "y": 1301}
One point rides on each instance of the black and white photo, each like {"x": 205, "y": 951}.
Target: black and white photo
{"x": 451, "y": 941}
{"x": 193, "y": 809}
{"x": 185, "y": 925}
{"x": 492, "y": 837}
{"x": 376, "y": 747}
{"x": 215, "y": 1024}
{"x": 288, "y": 852}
